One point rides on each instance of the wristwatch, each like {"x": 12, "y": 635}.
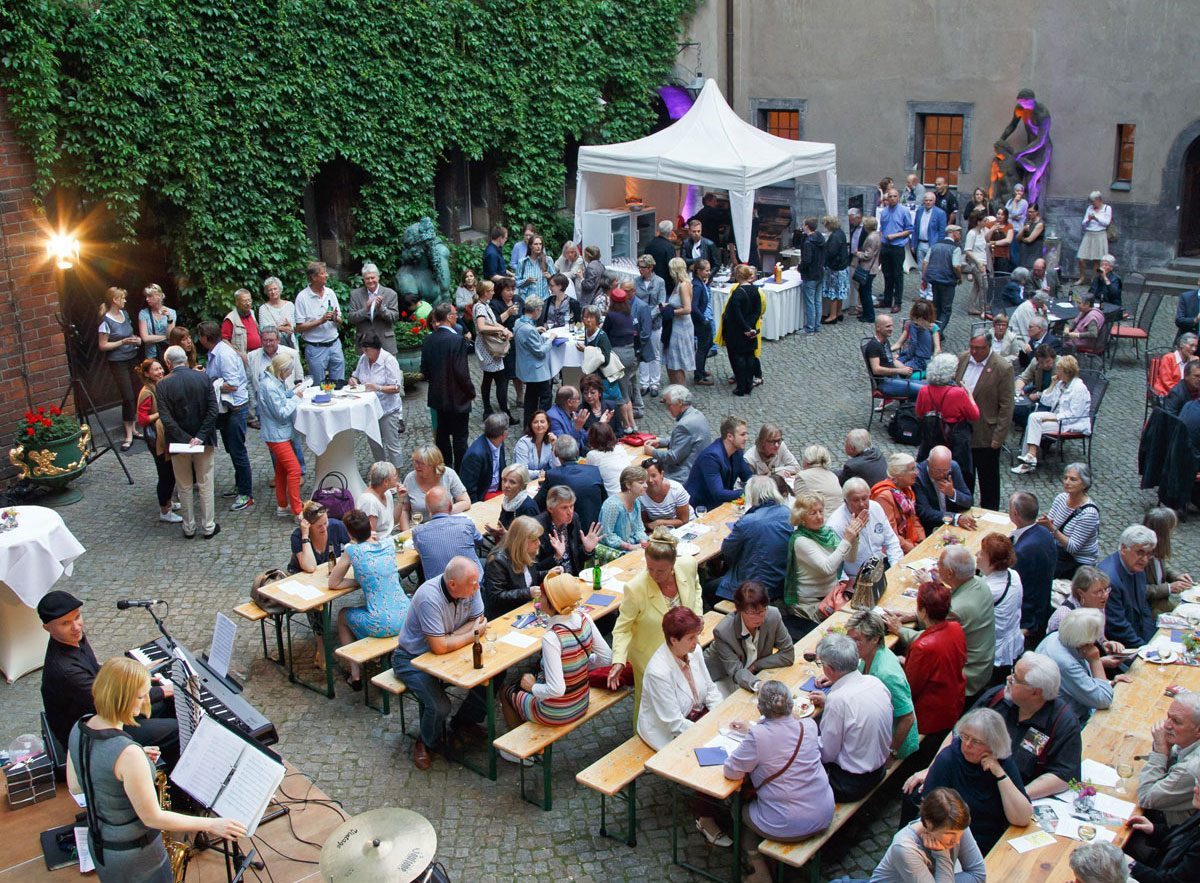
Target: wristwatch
{"x": 304, "y": 540}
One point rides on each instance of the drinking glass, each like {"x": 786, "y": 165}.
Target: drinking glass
{"x": 947, "y": 519}
{"x": 490, "y": 637}
{"x": 1124, "y": 773}
{"x": 1087, "y": 833}
{"x": 701, "y": 511}
{"x": 417, "y": 518}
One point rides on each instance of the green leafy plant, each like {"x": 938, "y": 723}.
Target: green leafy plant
{"x": 44, "y": 425}
{"x": 200, "y": 124}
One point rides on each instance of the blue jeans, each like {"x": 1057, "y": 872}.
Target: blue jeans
{"x": 900, "y": 387}
{"x": 435, "y": 704}
{"x": 866, "y": 301}
{"x": 811, "y": 292}
{"x": 232, "y": 426}
{"x": 323, "y": 360}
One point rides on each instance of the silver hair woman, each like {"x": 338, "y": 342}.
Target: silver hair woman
{"x": 1099, "y": 862}
{"x": 1075, "y": 649}
{"x": 380, "y": 501}
{"x": 978, "y": 764}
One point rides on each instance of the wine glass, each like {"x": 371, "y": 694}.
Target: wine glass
{"x": 947, "y": 519}
{"x": 1087, "y": 833}
{"x": 417, "y": 518}
{"x": 1124, "y": 773}
{"x": 701, "y": 511}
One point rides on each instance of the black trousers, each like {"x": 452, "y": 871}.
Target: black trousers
{"x": 500, "y": 378}
{"x": 891, "y": 260}
{"x": 943, "y": 302}
{"x": 537, "y": 398}
{"x": 987, "y": 473}
{"x": 849, "y": 787}
{"x": 451, "y": 436}
{"x": 704, "y": 339}
{"x": 743, "y": 370}
{"x": 166, "y": 477}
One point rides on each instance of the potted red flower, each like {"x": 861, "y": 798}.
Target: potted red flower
{"x": 51, "y": 448}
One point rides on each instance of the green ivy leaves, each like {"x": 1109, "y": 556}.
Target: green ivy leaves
{"x": 212, "y": 116}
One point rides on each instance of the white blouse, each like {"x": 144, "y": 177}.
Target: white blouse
{"x": 667, "y": 697}
{"x": 1072, "y": 404}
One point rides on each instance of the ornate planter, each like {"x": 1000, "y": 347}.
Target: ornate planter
{"x": 57, "y": 463}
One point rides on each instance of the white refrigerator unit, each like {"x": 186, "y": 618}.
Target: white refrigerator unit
{"x": 619, "y": 232}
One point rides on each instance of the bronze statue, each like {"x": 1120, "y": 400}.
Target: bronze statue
{"x": 424, "y": 264}
{"x": 1034, "y": 157}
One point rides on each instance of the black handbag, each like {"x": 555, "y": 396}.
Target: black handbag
{"x": 861, "y": 276}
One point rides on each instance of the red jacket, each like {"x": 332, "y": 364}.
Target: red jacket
{"x": 934, "y": 666}
{"x": 954, "y": 403}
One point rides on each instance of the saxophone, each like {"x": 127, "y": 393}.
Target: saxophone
{"x": 179, "y": 851}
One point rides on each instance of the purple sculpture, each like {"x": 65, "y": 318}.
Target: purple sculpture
{"x": 1034, "y": 158}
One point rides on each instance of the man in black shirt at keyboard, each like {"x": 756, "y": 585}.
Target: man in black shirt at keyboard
{"x": 70, "y": 669}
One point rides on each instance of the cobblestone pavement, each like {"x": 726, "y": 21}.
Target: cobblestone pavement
{"x": 815, "y": 388}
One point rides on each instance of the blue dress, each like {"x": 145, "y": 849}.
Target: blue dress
{"x": 375, "y": 570}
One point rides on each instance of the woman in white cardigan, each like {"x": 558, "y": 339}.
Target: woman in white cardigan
{"x": 677, "y": 691}
{"x": 1070, "y": 406}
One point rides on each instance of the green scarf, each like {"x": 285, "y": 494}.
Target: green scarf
{"x": 824, "y": 537}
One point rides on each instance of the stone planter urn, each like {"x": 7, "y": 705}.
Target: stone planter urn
{"x": 54, "y": 463}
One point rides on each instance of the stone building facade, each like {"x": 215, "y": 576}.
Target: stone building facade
{"x": 878, "y": 78}
{"x": 33, "y": 366}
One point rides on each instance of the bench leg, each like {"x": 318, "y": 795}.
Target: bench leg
{"x": 603, "y": 826}
{"x": 547, "y": 762}
{"x": 631, "y": 815}
{"x": 262, "y": 628}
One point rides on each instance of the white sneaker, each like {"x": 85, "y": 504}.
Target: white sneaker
{"x": 1025, "y": 468}
{"x": 170, "y": 518}
{"x": 1025, "y": 458}
{"x": 176, "y": 506}
{"x": 282, "y": 512}
{"x": 512, "y": 758}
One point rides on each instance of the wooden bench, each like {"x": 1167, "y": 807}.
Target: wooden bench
{"x": 531, "y": 739}
{"x": 711, "y": 620}
{"x": 611, "y": 775}
{"x": 724, "y": 606}
{"x": 365, "y": 652}
{"x": 389, "y": 685}
{"x": 251, "y": 612}
{"x": 808, "y": 851}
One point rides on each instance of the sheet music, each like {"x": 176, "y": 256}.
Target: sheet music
{"x": 250, "y": 790}
{"x": 227, "y": 774}
{"x": 220, "y": 651}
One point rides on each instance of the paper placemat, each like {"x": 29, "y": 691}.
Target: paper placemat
{"x": 519, "y": 640}
{"x": 299, "y": 590}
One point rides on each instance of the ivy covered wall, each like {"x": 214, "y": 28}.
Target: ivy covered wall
{"x": 212, "y": 116}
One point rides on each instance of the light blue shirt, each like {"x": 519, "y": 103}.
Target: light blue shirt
{"x": 225, "y": 362}
{"x": 276, "y": 409}
{"x": 495, "y": 483}
{"x": 895, "y": 220}
{"x": 434, "y": 612}
{"x": 1080, "y": 688}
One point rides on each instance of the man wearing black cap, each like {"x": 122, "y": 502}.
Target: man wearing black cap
{"x": 71, "y": 667}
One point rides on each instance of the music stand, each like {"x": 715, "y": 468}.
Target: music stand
{"x": 85, "y": 406}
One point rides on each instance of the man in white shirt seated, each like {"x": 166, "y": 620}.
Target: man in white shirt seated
{"x": 877, "y": 538}
{"x": 856, "y": 721}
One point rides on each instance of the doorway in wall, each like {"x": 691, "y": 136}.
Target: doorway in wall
{"x": 1189, "y": 202}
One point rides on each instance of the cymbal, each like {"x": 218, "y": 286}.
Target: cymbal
{"x": 388, "y": 845}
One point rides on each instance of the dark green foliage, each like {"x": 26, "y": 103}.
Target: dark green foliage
{"x": 211, "y": 116}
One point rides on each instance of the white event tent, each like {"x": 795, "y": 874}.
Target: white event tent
{"x": 710, "y": 146}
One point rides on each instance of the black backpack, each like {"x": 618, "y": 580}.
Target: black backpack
{"x": 905, "y": 428}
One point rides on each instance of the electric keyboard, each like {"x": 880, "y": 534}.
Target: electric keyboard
{"x": 217, "y": 697}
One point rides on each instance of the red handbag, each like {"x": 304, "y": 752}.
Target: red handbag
{"x": 598, "y": 677}
{"x": 639, "y": 439}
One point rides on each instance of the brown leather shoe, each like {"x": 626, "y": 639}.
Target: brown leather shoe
{"x": 421, "y": 757}
{"x": 465, "y": 731}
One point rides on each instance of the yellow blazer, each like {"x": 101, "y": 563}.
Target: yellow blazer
{"x": 638, "y": 632}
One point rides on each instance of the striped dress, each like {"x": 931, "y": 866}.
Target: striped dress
{"x": 573, "y": 704}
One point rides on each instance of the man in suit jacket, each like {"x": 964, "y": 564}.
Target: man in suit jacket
{"x": 757, "y": 546}
{"x": 689, "y": 436}
{"x": 696, "y": 247}
{"x": 720, "y": 466}
{"x": 989, "y": 378}
{"x": 485, "y": 460}
{"x": 756, "y": 620}
{"x": 187, "y": 406}
{"x": 1039, "y": 334}
{"x": 929, "y": 226}
{"x": 941, "y": 490}
{"x": 583, "y": 479}
{"x": 445, "y": 367}
{"x": 864, "y": 459}
{"x": 662, "y": 249}
{"x": 1186, "y": 390}
{"x": 563, "y": 529}
{"x": 375, "y": 307}
{"x": 1037, "y": 554}
{"x": 1187, "y": 313}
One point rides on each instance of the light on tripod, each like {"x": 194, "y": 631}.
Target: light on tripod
{"x": 63, "y": 249}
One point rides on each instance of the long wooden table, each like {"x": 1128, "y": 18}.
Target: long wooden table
{"x": 677, "y": 761}
{"x": 1114, "y": 735}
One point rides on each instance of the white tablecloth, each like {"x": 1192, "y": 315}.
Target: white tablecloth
{"x": 785, "y": 304}
{"x": 320, "y": 423}
{"x": 565, "y": 355}
{"x": 36, "y": 553}
{"x": 32, "y": 558}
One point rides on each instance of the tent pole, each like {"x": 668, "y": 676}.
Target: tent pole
{"x": 729, "y": 44}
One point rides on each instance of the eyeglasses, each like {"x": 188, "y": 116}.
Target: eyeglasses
{"x": 1012, "y": 679}
{"x": 968, "y": 739}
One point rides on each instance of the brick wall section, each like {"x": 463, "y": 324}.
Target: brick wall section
{"x": 30, "y": 337}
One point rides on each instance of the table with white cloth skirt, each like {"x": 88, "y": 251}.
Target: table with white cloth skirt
{"x": 33, "y": 556}
{"x": 785, "y": 302}
{"x": 329, "y": 431}
{"x": 565, "y": 354}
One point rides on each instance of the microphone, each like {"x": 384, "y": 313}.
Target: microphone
{"x": 141, "y": 602}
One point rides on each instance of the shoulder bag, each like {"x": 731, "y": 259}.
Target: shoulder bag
{"x": 750, "y": 790}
